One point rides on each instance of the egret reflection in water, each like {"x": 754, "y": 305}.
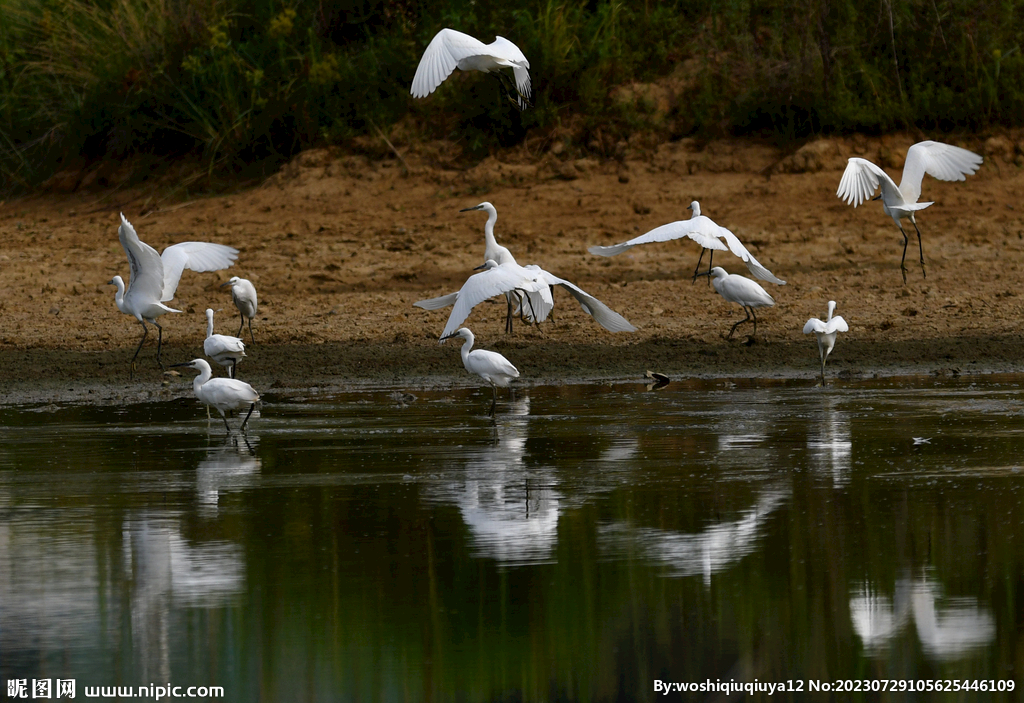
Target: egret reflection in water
{"x": 718, "y": 547}
{"x": 829, "y": 446}
{"x": 947, "y": 628}
{"x": 511, "y": 510}
{"x": 232, "y": 465}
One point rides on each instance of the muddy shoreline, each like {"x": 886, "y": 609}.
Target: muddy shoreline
{"x": 341, "y": 246}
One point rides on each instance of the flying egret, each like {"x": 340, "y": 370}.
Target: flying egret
{"x": 450, "y": 49}
{"x": 742, "y": 291}
{"x": 488, "y": 365}
{"x": 605, "y": 316}
{"x": 222, "y": 393}
{"x": 243, "y": 293}
{"x": 704, "y": 231}
{"x": 942, "y": 161}
{"x": 226, "y": 351}
{"x": 154, "y": 277}
{"x": 826, "y": 332}
{"x": 508, "y": 278}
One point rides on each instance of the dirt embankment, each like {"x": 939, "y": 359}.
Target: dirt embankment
{"x": 339, "y": 247}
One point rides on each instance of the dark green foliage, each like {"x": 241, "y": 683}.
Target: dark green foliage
{"x": 243, "y": 81}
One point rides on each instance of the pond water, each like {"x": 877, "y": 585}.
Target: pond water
{"x": 585, "y": 543}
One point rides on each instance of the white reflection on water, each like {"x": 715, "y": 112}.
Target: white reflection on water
{"x": 947, "y": 628}
{"x": 231, "y": 466}
{"x": 708, "y": 552}
{"x": 829, "y": 447}
{"x": 510, "y": 510}
{"x": 162, "y": 571}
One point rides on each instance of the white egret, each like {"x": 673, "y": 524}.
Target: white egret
{"x": 508, "y": 279}
{"x": 226, "y": 351}
{"x": 243, "y": 293}
{"x": 942, "y": 161}
{"x": 154, "y": 277}
{"x": 488, "y": 365}
{"x": 704, "y": 231}
{"x": 605, "y": 316}
{"x": 742, "y": 291}
{"x": 826, "y": 332}
{"x": 222, "y": 393}
{"x": 450, "y": 49}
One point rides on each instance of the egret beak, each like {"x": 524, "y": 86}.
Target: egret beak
{"x": 225, "y": 283}
{"x": 689, "y": 207}
{"x": 480, "y": 267}
{"x": 447, "y": 337}
{"x": 187, "y": 363}
{"x": 470, "y": 209}
{"x": 111, "y": 282}
{"x": 877, "y": 197}
{"x": 698, "y": 275}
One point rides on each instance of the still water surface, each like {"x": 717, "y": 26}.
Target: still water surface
{"x": 585, "y": 542}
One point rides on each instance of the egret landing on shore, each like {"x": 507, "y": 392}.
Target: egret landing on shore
{"x": 488, "y": 365}
{"x": 942, "y": 161}
{"x": 154, "y": 278}
{"x": 826, "y": 332}
{"x": 222, "y": 393}
{"x": 226, "y": 351}
{"x": 704, "y": 231}
{"x": 450, "y": 49}
{"x": 742, "y": 291}
{"x": 243, "y": 293}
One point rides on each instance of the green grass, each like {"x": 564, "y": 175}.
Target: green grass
{"x": 238, "y": 82}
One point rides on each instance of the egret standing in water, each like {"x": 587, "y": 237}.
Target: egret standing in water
{"x": 742, "y": 291}
{"x": 704, "y": 231}
{"x": 450, "y": 49}
{"x": 942, "y": 161}
{"x": 154, "y": 278}
{"x": 222, "y": 393}
{"x": 488, "y": 365}
{"x": 243, "y": 293}
{"x": 226, "y": 351}
{"x": 826, "y": 332}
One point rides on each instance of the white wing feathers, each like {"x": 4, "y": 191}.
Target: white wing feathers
{"x": 487, "y": 284}
{"x": 602, "y": 314}
{"x": 144, "y": 265}
{"x": 437, "y": 303}
{"x": 836, "y": 324}
{"x": 195, "y": 256}
{"x": 758, "y": 271}
{"x": 942, "y": 161}
{"x": 441, "y": 57}
{"x": 695, "y": 228}
{"x": 860, "y": 180}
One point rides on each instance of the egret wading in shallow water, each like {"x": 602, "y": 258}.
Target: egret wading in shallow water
{"x": 243, "y": 293}
{"x": 942, "y": 161}
{"x": 533, "y": 305}
{"x": 826, "y": 332}
{"x": 488, "y": 365}
{"x": 226, "y": 351}
{"x": 704, "y": 231}
{"x": 742, "y": 291}
{"x": 154, "y": 278}
{"x": 450, "y": 49}
{"x": 222, "y": 393}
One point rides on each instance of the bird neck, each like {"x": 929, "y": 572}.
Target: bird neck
{"x": 119, "y": 294}
{"x": 466, "y": 347}
{"x": 209, "y": 325}
{"x": 204, "y": 375}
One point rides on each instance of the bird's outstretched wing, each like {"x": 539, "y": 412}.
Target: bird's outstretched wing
{"x": 943, "y": 161}
{"x": 860, "y": 180}
{"x": 759, "y": 271}
{"x": 194, "y": 256}
{"x": 702, "y": 230}
{"x": 441, "y": 57}
{"x": 437, "y": 303}
{"x": 144, "y": 264}
{"x": 604, "y": 315}
{"x": 487, "y": 284}
{"x": 503, "y": 48}
{"x": 836, "y": 324}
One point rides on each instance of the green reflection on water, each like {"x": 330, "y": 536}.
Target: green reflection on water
{"x": 581, "y": 544}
